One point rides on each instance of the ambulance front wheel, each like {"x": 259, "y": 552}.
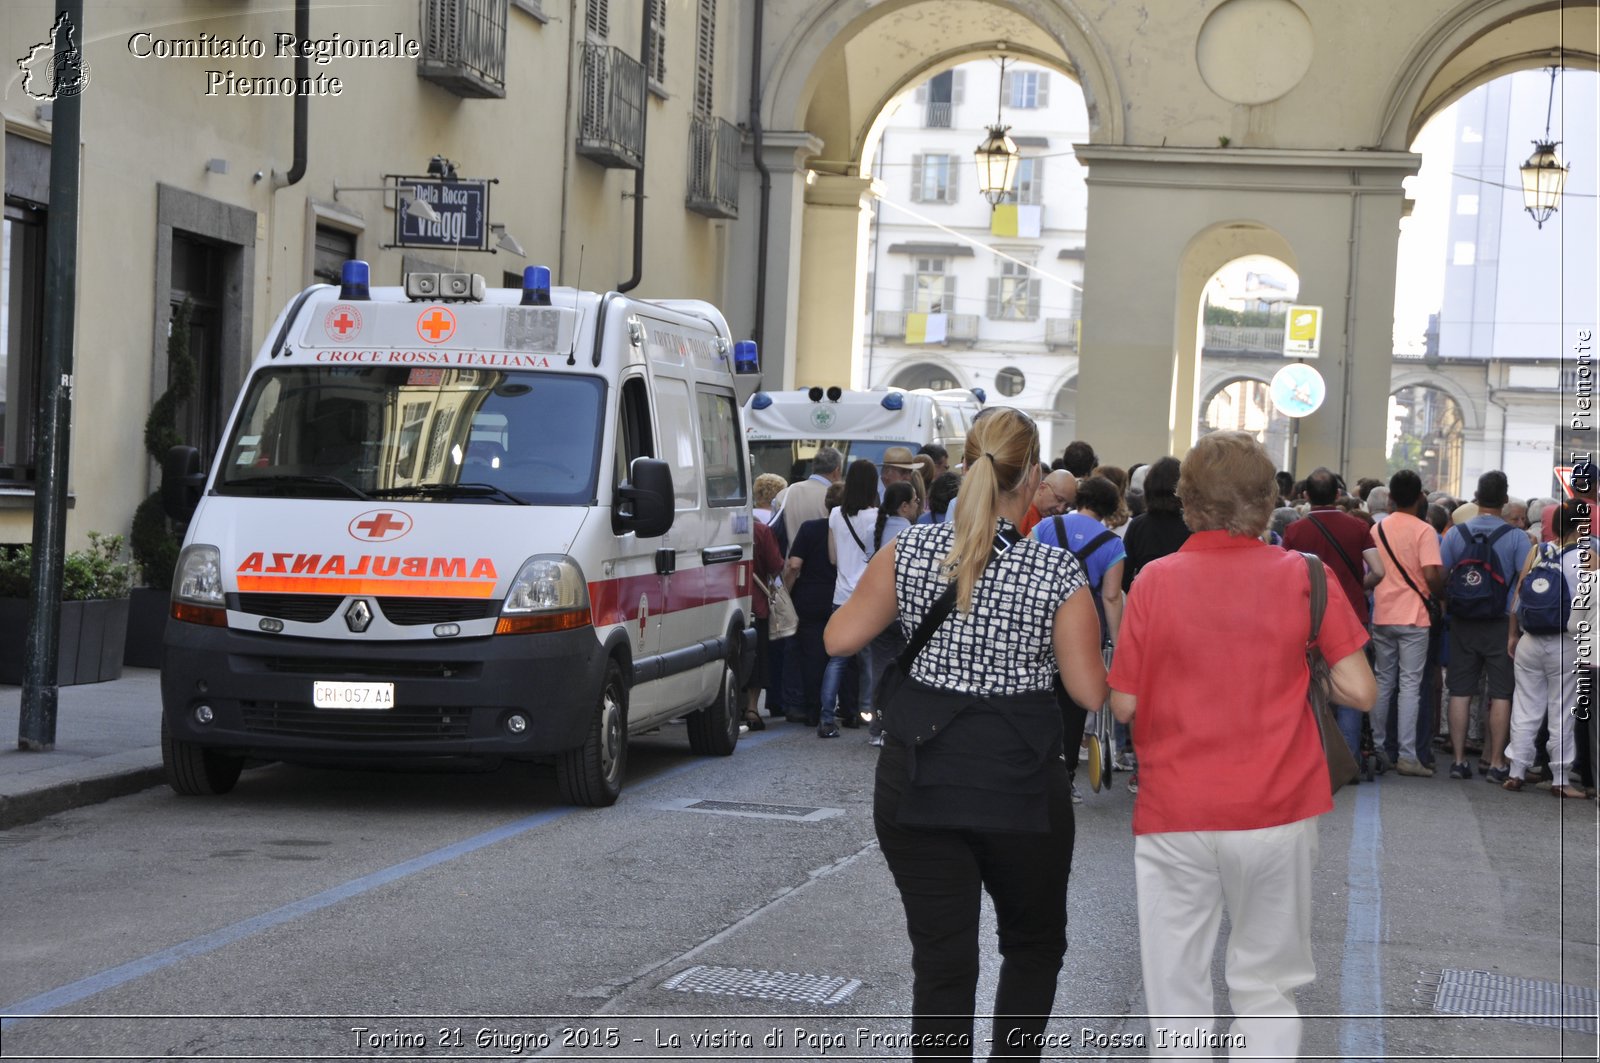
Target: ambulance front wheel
{"x": 195, "y": 771}
{"x": 592, "y": 774}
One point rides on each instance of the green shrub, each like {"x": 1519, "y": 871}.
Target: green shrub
{"x": 95, "y": 572}
{"x": 154, "y": 540}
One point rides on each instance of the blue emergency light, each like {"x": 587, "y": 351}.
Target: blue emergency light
{"x": 746, "y": 360}
{"x": 981, "y": 395}
{"x": 536, "y": 286}
{"x": 354, "y": 280}
{"x": 894, "y": 401}
{"x": 760, "y": 400}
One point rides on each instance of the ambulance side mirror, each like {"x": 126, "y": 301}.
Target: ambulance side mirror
{"x": 181, "y": 482}
{"x": 644, "y": 500}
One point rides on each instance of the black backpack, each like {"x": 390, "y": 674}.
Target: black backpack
{"x": 1475, "y": 589}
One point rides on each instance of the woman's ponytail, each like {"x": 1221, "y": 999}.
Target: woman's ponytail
{"x": 1000, "y": 450}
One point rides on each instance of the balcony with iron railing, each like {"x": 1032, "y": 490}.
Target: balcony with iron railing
{"x": 1061, "y": 332}
{"x": 611, "y": 118}
{"x": 464, "y": 46}
{"x": 714, "y": 145}
{"x": 1244, "y": 338}
{"x": 891, "y": 325}
{"x": 937, "y": 115}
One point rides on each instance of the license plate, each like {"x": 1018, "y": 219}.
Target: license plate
{"x": 352, "y": 695}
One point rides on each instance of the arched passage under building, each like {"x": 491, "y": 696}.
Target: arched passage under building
{"x": 1194, "y": 155}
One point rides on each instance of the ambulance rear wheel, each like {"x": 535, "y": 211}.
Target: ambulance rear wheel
{"x": 714, "y": 730}
{"x": 195, "y": 771}
{"x": 592, "y": 774}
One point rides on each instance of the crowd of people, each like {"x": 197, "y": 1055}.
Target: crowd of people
{"x": 970, "y": 611}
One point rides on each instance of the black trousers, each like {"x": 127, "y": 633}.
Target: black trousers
{"x": 941, "y": 875}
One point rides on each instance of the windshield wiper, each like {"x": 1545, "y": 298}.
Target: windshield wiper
{"x": 278, "y": 481}
{"x": 456, "y": 490}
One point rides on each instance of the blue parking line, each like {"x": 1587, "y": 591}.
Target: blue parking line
{"x": 1361, "y": 977}
{"x": 72, "y": 992}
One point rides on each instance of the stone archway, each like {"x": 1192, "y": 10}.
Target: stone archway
{"x": 925, "y": 374}
{"x": 1175, "y": 155}
{"x": 1427, "y": 434}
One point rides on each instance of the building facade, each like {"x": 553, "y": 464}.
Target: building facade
{"x": 1224, "y": 129}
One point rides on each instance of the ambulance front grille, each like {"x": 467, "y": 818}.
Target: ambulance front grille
{"x": 304, "y": 608}
{"x": 386, "y": 667}
{"x": 393, "y": 725}
{"x": 436, "y": 610}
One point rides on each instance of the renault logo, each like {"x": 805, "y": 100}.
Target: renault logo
{"x": 359, "y": 616}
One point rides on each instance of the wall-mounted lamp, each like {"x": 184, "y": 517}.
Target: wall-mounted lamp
{"x": 1544, "y": 175}
{"x": 441, "y": 167}
{"x": 504, "y": 241}
{"x": 416, "y": 208}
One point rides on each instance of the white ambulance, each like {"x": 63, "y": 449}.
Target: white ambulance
{"x": 786, "y": 428}
{"x": 452, "y": 522}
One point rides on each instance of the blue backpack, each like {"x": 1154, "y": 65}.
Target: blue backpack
{"x": 1475, "y": 589}
{"x": 1544, "y": 601}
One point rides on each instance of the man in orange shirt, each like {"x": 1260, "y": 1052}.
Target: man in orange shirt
{"x": 1056, "y": 494}
{"x": 1412, "y": 574}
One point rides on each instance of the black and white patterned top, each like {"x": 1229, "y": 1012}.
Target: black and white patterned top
{"x": 1003, "y": 646}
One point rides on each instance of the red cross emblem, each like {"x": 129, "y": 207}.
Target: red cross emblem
{"x": 380, "y": 525}
{"x": 343, "y": 322}
{"x": 437, "y": 325}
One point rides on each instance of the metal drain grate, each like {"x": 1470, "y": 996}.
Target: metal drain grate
{"x": 756, "y": 810}
{"x": 1522, "y": 1000}
{"x": 763, "y": 985}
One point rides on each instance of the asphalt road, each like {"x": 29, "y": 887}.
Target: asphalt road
{"x": 319, "y": 914}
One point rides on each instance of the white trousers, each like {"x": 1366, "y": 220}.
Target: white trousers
{"x": 1263, "y": 879}
{"x": 1547, "y": 691}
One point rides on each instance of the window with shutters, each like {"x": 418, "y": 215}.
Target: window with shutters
{"x": 930, "y": 290}
{"x": 656, "y": 68}
{"x": 464, "y": 46}
{"x": 705, "y": 54}
{"x": 597, "y": 19}
{"x": 1014, "y": 294}
{"x": 1028, "y": 184}
{"x": 934, "y": 178}
{"x": 939, "y": 96}
{"x": 21, "y": 334}
{"x": 1027, "y": 89}
{"x": 334, "y": 248}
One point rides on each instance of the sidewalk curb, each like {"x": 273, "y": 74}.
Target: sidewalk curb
{"x": 61, "y": 789}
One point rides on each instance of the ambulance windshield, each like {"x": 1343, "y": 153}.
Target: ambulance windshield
{"x": 791, "y": 458}
{"x": 458, "y": 435}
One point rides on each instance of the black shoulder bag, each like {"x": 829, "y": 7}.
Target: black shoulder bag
{"x": 1434, "y": 606}
{"x": 894, "y": 677}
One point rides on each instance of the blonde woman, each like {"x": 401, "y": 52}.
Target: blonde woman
{"x": 972, "y": 794}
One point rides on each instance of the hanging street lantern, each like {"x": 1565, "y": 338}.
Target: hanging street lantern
{"x": 997, "y": 156}
{"x": 1544, "y": 175}
{"x": 997, "y": 164}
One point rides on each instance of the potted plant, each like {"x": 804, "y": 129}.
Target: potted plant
{"x": 154, "y": 540}
{"x": 94, "y": 611}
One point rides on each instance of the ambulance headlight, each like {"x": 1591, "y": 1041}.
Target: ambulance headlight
{"x": 197, "y": 578}
{"x": 548, "y": 594}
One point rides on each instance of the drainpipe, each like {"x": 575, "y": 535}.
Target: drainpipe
{"x": 1505, "y": 421}
{"x": 1353, "y": 252}
{"x": 758, "y": 328}
{"x": 638, "y": 175}
{"x": 302, "y": 71}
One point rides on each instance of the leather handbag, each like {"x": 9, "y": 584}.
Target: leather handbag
{"x": 1342, "y": 767}
{"x": 782, "y": 620}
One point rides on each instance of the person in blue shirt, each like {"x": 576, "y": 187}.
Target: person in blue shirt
{"x": 1098, "y": 500}
{"x": 1479, "y": 645}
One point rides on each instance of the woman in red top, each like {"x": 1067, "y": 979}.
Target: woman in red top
{"x": 1211, "y": 671}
